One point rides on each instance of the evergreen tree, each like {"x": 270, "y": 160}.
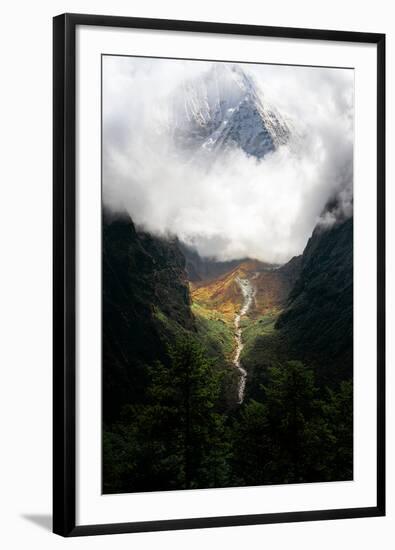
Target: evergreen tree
{"x": 177, "y": 440}
{"x": 286, "y": 438}
{"x": 339, "y": 412}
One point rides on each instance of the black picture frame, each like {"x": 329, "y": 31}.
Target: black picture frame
{"x": 64, "y": 273}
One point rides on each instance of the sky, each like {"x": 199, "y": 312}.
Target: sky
{"x": 231, "y": 206}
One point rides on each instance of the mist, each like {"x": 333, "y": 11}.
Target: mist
{"x": 226, "y": 204}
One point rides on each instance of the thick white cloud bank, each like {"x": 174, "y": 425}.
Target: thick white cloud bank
{"x": 227, "y": 204}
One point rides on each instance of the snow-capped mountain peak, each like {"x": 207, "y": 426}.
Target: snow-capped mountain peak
{"x": 224, "y": 108}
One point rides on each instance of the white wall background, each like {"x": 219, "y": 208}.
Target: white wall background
{"x": 25, "y": 273}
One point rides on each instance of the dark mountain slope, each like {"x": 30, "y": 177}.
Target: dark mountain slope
{"x": 316, "y": 324}
{"x": 291, "y": 270}
{"x": 318, "y": 321}
{"x": 144, "y": 284}
{"x": 204, "y": 269}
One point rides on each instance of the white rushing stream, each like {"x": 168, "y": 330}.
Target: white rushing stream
{"x": 248, "y": 292}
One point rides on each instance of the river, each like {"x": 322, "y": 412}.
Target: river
{"x": 248, "y": 293}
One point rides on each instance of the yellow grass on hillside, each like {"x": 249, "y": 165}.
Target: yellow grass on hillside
{"x": 223, "y": 295}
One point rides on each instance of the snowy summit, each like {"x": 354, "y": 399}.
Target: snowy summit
{"x": 224, "y": 108}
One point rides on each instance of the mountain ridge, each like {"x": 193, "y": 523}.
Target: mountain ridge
{"x": 224, "y": 108}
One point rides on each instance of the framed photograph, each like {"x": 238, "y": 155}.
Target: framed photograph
{"x": 219, "y": 275}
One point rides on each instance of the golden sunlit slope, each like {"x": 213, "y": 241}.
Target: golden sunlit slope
{"x": 223, "y": 295}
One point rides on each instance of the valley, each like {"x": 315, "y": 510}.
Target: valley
{"x": 220, "y": 374}
{"x": 247, "y": 298}
{"x": 226, "y": 362}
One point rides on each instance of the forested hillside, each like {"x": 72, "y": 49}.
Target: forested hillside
{"x": 318, "y": 321}
{"x": 172, "y": 417}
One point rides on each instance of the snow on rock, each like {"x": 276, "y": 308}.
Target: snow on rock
{"x": 224, "y": 108}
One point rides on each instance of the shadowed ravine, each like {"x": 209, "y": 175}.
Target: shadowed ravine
{"x": 248, "y": 292}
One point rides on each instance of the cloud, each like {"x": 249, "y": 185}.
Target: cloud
{"x": 232, "y": 205}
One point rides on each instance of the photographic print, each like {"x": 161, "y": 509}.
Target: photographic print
{"x": 227, "y": 274}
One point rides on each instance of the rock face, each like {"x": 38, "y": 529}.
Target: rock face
{"x": 318, "y": 320}
{"x": 225, "y": 108}
{"x": 143, "y": 277}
